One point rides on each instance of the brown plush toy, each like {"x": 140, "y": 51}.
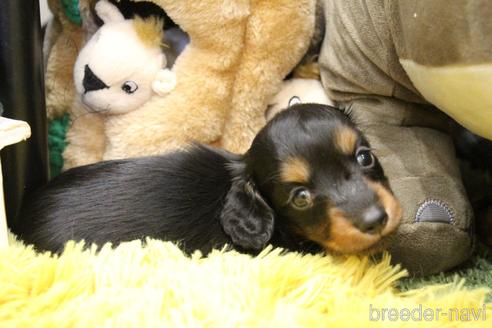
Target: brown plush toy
{"x": 393, "y": 64}
{"x": 238, "y": 55}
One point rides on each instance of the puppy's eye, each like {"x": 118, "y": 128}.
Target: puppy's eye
{"x": 129, "y": 87}
{"x": 365, "y": 158}
{"x": 302, "y": 199}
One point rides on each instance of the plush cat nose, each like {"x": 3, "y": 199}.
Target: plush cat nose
{"x": 373, "y": 220}
{"x": 91, "y": 82}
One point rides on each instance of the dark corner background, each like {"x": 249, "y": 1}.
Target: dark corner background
{"x": 25, "y": 165}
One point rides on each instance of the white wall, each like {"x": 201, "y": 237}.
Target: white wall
{"x": 45, "y": 12}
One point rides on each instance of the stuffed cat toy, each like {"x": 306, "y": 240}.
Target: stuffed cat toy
{"x": 122, "y": 64}
{"x": 118, "y": 70}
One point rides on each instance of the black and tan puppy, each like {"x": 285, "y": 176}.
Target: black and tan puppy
{"x": 308, "y": 182}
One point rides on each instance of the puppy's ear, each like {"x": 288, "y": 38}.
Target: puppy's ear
{"x": 246, "y": 217}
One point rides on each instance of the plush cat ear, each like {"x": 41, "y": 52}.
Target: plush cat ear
{"x": 108, "y": 12}
{"x": 246, "y": 217}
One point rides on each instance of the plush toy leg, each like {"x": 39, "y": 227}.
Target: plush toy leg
{"x": 11, "y": 131}
{"x": 452, "y": 66}
{"x": 435, "y": 233}
{"x": 277, "y": 36}
{"x": 369, "y": 80}
{"x": 205, "y": 71}
{"x": 420, "y": 162}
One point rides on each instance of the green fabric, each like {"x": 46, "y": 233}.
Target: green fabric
{"x": 56, "y": 142}
{"x": 477, "y": 273}
{"x": 71, "y": 9}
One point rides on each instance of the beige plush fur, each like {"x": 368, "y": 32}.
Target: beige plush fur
{"x": 62, "y": 44}
{"x": 86, "y": 137}
{"x": 277, "y": 36}
{"x": 239, "y": 53}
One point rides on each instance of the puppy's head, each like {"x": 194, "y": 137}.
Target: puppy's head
{"x": 314, "y": 171}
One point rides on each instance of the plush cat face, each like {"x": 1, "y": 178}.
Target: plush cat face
{"x": 115, "y": 71}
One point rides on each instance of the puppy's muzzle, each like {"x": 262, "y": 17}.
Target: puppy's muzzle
{"x": 373, "y": 220}
{"x": 348, "y": 235}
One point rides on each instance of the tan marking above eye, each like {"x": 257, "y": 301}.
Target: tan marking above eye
{"x": 346, "y": 139}
{"x": 295, "y": 169}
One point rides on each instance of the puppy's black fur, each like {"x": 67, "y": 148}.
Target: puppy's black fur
{"x": 176, "y": 197}
{"x": 205, "y": 198}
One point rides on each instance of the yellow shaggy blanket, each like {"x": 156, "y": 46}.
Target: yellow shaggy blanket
{"x": 157, "y": 286}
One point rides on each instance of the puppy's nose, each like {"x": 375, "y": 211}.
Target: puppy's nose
{"x": 91, "y": 82}
{"x": 373, "y": 220}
